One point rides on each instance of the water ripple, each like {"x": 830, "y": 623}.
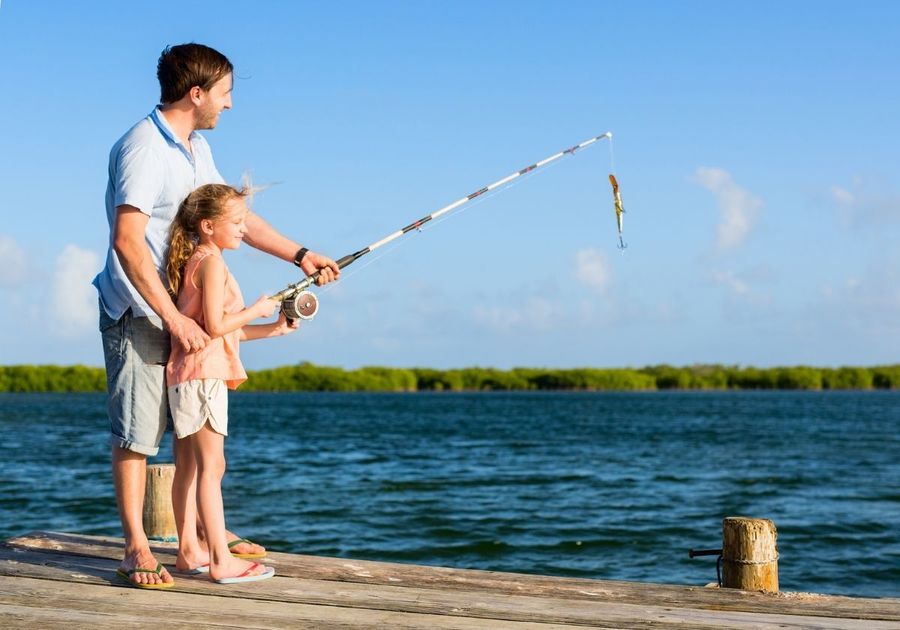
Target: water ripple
{"x": 604, "y": 485}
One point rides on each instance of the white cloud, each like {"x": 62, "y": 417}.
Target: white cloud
{"x": 592, "y": 270}
{"x": 74, "y": 299}
{"x": 538, "y": 313}
{"x": 12, "y": 263}
{"x": 750, "y": 287}
{"x": 738, "y": 206}
{"x": 730, "y": 280}
{"x": 842, "y": 197}
{"x": 867, "y": 203}
{"x": 870, "y": 303}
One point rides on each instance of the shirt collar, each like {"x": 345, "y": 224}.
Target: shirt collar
{"x": 166, "y": 130}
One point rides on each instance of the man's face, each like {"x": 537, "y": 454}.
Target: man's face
{"x": 213, "y": 102}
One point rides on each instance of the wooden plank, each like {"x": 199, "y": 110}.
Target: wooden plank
{"x": 501, "y": 608}
{"x": 30, "y": 603}
{"x": 394, "y": 574}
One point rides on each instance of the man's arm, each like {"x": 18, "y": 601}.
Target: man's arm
{"x": 131, "y": 247}
{"x": 265, "y": 238}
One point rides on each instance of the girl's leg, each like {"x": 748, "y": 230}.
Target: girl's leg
{"x": 191, "y": 553}
{"x": 209, "y": 450}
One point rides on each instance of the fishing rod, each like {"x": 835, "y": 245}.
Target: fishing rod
{"x": 299, "y": 303}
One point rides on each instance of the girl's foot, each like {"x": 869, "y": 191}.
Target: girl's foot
{"x": 235, "y": 571}
{"x": 192, "y": 561}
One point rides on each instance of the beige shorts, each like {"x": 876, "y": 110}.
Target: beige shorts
{"x": 194, "y": 403}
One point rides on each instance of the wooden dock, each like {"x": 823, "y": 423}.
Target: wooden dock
{"x": 53, "y": 580}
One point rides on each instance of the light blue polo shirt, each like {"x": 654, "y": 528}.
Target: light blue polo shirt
{"x": 152, "y": 170}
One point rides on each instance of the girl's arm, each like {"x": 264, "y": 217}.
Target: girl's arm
{"x": 264, "y": 331}
{"x": 211, "y": 277}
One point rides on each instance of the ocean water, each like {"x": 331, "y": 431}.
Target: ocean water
{"x": 598, "y": 485}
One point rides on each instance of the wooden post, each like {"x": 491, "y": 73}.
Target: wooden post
{"x": 749, "y": 554}
{"x": 159, "y": 520}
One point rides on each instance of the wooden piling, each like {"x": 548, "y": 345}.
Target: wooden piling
{"x": 159, "y": 519}
{"x": 749, "y": 554}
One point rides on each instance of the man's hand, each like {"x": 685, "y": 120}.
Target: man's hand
{"x": 314, "y": 262}
{"x": 188, "y": 333}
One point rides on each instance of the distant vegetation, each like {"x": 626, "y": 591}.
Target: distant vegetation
{"x": 308, "y": 377}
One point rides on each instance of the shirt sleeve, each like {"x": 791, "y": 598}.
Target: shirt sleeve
{"x": 139, "y": 178}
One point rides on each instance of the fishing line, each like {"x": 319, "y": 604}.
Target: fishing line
{"x": 298, "y": 302}
{"x": 612, "y": 157}
{"x": 430, "y": 226}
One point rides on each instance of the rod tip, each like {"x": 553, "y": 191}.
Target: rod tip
{"x": 608, "y": 134}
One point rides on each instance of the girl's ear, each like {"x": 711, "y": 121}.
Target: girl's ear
{"x": 206, "y": 227}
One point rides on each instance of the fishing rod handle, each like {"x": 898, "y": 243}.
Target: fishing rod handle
{"x": 308, "y": 281}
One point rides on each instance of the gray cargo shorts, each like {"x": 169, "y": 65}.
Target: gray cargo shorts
{"x": 136, "y": 350}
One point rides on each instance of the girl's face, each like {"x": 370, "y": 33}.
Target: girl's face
{"x": 227, "y": 231}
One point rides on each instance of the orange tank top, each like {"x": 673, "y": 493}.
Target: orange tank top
{"x": 220, "y": 358}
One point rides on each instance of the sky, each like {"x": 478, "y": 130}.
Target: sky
{"x": 755, "y": 145}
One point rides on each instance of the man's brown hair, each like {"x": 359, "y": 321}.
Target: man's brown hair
{"x": 182, "y": 67}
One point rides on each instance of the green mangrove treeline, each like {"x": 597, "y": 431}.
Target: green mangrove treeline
{"x": 309, "y": 377}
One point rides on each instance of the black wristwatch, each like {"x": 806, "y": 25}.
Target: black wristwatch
{"x": 298, "y": 257}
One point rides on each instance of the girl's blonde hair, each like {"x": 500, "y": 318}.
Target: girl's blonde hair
{"x": 207, "y": 202}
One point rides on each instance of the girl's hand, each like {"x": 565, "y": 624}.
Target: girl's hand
{"x": 285, "y": 327}
{"x": 265, "y": 307}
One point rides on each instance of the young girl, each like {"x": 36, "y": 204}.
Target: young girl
{"x": 211, "y": 219}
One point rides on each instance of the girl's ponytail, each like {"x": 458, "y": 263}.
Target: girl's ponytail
{"x": 181, "y": 247}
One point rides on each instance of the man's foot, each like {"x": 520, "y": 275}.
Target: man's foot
{"x": 141, "y": 570}
{"x": 243, "y": 548}
{"x": 239, "y": 547}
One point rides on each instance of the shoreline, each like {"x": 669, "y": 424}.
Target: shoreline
{"x": 306, "y": 377}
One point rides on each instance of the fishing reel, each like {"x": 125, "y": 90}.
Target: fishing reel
{"x": 300, "y": 305}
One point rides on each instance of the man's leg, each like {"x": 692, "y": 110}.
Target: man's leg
{"x": 135, "y": 351}
{"x": 130, "y": 478}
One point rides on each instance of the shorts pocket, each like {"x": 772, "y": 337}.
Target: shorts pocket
{"x": 112, "y": 335}
{"x": 150, "y": 341}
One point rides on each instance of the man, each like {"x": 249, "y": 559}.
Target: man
{"x": 152, "y": 168}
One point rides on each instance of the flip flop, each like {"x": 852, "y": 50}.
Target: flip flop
{"x": 126, "y": 575}
{"x": 203, "y": 569}
{"x": 245, "y": 556}
{"x": 244, "y": 577}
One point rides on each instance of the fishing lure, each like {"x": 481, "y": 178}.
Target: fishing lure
{"x": 617, "y": 200}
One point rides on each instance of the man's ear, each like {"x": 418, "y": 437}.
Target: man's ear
{"x": 196, "y": 95}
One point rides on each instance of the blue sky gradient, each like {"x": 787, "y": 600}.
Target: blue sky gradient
{"x": 755, "y": 146}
